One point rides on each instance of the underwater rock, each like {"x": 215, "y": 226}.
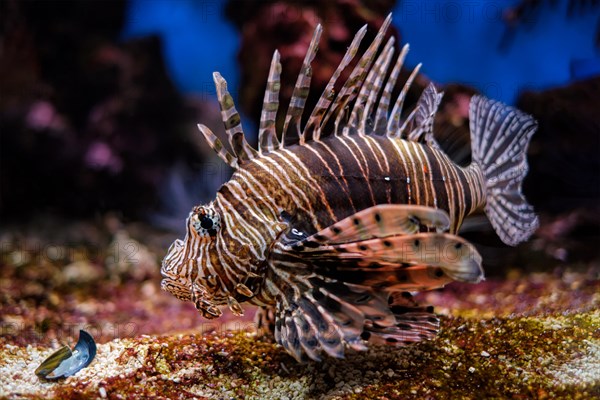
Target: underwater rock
{"x": 563, "y": 180}
{"x": 81, "y": 272}
{"x": 96, "y": 128}
{"x": 288, "y": 27}
{"x": 563, "y": 157}
{"x": 128, "y": 259}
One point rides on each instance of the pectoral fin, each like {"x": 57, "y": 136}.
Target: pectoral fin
{"x": 383, "y": 247}
{"x": 317, "y": 314}
{"x": 423, "y": 257}
{"x": 342, "y": 286}
{"x": 382, "y": 221}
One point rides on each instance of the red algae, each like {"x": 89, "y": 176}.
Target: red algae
{"x": 531, "y": 335}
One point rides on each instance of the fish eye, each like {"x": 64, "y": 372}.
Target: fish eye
{"x": 205, "y": 221}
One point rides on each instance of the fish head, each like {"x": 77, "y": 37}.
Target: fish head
{"x": 184, "y": 269}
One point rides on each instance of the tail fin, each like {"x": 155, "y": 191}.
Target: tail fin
{"x": 499, "y": 138}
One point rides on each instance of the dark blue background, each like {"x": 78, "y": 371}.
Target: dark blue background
{"x": 462, "y": 41}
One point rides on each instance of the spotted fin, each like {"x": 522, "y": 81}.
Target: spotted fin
{"x": 421, "y": 261}
{"x": 381, "y": 221}
{"x": 383, "y": 247}
{"x": 334, "y": 285}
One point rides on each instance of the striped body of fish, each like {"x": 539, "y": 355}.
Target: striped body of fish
{"x": 329, "y": 228}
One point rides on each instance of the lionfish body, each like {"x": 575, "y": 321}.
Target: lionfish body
{"x": 330, "y": 228}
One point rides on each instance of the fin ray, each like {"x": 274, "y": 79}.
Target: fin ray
{"x": 396, "y": 115}
{"x": 315, "y": 121}
{"x": 381, "y": 115}
{"x": 370, "y": 88}
{"x": 292, "y": 134}
{"x": 500, "y": 135}
{"x": 356, "y": 79}
{"x": 216, "y": 144}
{"x": 414, "y": 323}
{"x": 267, "y": 134}
{"x": 383, "y": 220}
{"x": 456, "y": 258}
{"x": 233, "y": 124}
{"x": 409, "y": 262}
{"x": 379, "y": 78}
{"x": 426, "y": 108}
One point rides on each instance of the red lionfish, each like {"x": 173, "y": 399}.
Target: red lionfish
{"x": 331, "y": 228}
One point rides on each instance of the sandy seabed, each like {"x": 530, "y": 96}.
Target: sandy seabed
{"x": 525, "y": 335}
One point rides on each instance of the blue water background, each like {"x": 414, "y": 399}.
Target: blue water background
{"x": 462, "y": 41}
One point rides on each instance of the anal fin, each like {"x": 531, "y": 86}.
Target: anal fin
{"x": 422, "y": 261}
{"x": 414, "y": 323}
{"x": 265, "y": 321}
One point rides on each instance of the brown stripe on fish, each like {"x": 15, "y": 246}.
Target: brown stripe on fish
{"x": 357, "y": 155}
{"x": 320, "y": 158}
{"x": 297, "y": 179}
{"x": 245, "y": 226}
{"x": 326, "y": 211}
{"x": 436, "y": 178}
{"x": 253, "y": 208}
{"x": 260, "y": 194}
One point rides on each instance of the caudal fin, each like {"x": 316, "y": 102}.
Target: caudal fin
{"x": 499, "y": 138}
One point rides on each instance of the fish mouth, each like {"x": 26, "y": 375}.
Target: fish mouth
{"x": 169, "y": 285}
{"x": 177, "y": 245}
